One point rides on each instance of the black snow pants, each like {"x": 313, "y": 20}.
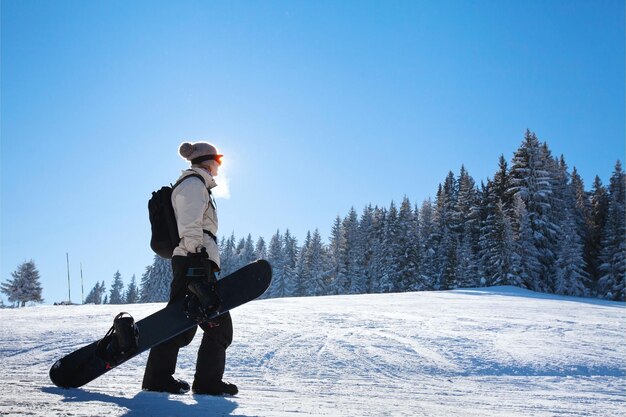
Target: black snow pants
{"x": 218, "y": 335}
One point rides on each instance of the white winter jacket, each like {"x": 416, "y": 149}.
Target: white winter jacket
{"x": 196, "y": 213}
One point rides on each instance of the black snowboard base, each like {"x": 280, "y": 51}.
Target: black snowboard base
{"x": 88, "y": 363}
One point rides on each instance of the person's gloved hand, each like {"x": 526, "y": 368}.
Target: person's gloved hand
{"x": 203, "y": 298}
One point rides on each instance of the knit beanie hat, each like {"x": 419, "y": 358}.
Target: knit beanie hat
{"x": 198, "y": 152}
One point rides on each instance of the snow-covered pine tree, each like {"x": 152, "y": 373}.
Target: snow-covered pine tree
{"x": 25, "y": 286}
{"x": 466, "y": 202}
{"x": 447, "y": 255}
{"x": 554, "y": 214}
{"x": 117, "y": 290}
{"x": 468, "y": 207}
{"x": 11, "y": 289}
{"x": 239, "y": 262}
{"x": 260, "y": 249}
{"x": 342, "y": 279}
{"x": 336, "y": 268}
{"x": 560, "y": 198}
{"x": 468, "y": 266}
{"x": 144, "y": 285}
{"x": 599, "y": 207}
{"x": 275, "y": 258}
{"x": 247, "y": 252}
{"x": 95, "y": 295}
{"x": 496, "y": 192}
{"x": 377, "y": 263}
{"x": 582, "y": 206}
{"x": 488, "y": 231}
{"x": 582, "y": 218}
{"x": 318, "y": 265}
{"x": 156, "y": 281}
{"x": 613, "y": 254}
{"x": 530, "y": 177}
{"x": 408, "y": 245}
{"x": 448, "y": 223}
{"x": 501, "y": 184}
{"x": 303, "y": 269}
{"x": 290, "y": 261}
{"x": 496, "y": 242}
{"x": 428, "y": 238}
{"x": 228, "y": 256}
{"x": 450, "y": 203}
{"x": 526, "y": 264}
{"x": 561, "y": 203}
{"x": 132, "y": 292}
{"x": 570, "y": 275}
{"x": 391, "y": 252}
{"x": 361, "y": 283}
{"x": 353, "y": 247}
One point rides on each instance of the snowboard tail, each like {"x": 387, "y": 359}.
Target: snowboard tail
{"x": 91, "y": 361}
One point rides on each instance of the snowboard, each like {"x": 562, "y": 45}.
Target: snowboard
{"x": 89, "y": 362}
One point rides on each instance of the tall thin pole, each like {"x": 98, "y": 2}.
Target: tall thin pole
{"x": 69, "y": 292}
{"x": 82, "y": 287}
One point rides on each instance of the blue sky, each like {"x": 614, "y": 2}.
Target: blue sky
{"x": 318, "y": 106}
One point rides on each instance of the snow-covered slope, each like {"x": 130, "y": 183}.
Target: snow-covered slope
{"x": 488, "y": 352}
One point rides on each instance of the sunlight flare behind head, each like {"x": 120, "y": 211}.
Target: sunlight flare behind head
{"x": 223, "y": 180}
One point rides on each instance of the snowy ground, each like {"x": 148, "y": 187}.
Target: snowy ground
{"x": 494, "y": 352}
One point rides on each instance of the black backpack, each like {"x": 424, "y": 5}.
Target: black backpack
{"x": 165, "y": 237}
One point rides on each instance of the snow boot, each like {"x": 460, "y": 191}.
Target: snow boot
{"x": 171, "y": 385}
{"x": 221, "y": 389}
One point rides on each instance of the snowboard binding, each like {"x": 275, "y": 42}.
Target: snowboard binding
{"x": 202, "y": 300}
{"x": 121, "y": 341}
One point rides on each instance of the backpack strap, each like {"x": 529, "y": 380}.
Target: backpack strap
{"x": 189, "y": 176}
{"x": 211, "y": 235}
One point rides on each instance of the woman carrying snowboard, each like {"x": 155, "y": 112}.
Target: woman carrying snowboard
{"x": 195, "y": 263}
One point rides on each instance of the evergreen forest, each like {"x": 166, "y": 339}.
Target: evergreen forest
{"x": 533, "y": 225}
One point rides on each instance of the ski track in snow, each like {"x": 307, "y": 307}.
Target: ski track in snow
{"x": 488, "y": 352}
